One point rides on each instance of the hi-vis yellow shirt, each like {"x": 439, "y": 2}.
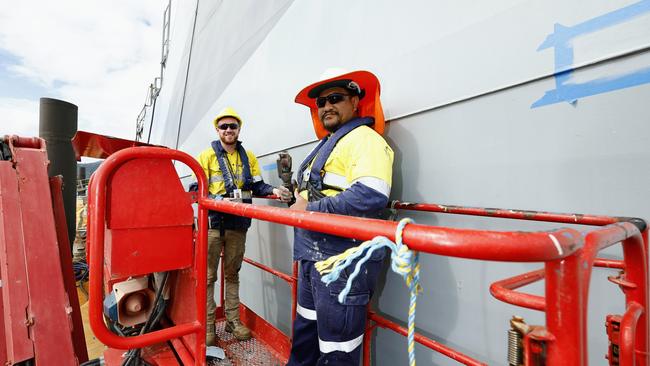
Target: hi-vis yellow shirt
{"x": 208, "y": 161}
{"x": 360, "y": 156}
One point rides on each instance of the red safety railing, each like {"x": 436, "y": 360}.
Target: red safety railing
{"x": 567, "y": 281}
{"x": 291, "y": 280}
{"x": 569, "y": 258}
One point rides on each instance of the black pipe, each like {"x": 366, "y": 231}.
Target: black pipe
{"x": 58, "y": 125}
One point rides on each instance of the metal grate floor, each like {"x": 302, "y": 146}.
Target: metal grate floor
{"x": 242, "y": 353}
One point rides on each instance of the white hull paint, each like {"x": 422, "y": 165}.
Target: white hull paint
{"x": 463, "y": 88}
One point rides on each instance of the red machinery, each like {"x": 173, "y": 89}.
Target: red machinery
{"x": 140, "y": 229}
{"x": 39, "y": 300}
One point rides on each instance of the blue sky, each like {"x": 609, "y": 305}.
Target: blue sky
{"x": 99, "y": 55}
{"x": 14, "y": 85}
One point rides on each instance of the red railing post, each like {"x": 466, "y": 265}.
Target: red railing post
{"x": 201, "y": 263}
{"x": 294, "y": 294}
{"x": 630, "y": 333}
{"x": 596, "y": 241}
{"x": 367, "y": 339}
{"x": 565, "y": 312}
{"x": 222, "y": 285}
{"x": 636, "y": 272}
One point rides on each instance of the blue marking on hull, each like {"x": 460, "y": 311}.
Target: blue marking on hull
{"x": 561, "y": 39}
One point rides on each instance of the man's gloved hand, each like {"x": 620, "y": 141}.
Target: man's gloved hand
{"x": 283, "y": 193}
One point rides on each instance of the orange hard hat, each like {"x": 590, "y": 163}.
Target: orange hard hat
{"x": 362, "y": 83}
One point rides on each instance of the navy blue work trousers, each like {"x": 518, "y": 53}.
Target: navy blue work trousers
{"x": 325, "y": 331}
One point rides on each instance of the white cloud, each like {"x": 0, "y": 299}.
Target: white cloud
{"x": 20, "y": 117}
{"x": 99, "y": 55}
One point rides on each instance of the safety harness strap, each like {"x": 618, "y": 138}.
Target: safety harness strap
{"x": 311, "y": 179}
{"x": 224, "y": 165}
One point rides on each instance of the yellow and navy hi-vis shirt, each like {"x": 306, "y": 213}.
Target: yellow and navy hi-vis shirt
{"x": 217, "y": 187}
{"x": 208, "y": 161}
{"x": 360, "y": 156}
{"x": 360, "y": 166}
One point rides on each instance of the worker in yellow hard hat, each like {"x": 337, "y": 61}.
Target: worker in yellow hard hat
{"x": 233, "y": 174}
{"x": 348, "y": 173}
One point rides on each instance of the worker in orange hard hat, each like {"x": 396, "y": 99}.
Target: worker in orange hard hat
{"x": 348, "y": 173}
{"x": 233, "y": 174}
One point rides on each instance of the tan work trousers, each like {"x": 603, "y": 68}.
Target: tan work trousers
{"x": 233, "y": 244}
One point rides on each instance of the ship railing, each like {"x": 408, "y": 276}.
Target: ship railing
{"x": 568, "y": 281}
{"x": 568, "y": 257}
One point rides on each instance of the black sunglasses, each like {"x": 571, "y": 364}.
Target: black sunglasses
{"x": 332, "y": 99}
{"x": 225, "y": 126}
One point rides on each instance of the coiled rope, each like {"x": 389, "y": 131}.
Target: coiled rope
{"x": 80, "y": 271}
{"x": 404, "y": 262}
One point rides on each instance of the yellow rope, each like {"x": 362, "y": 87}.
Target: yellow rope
{"x": 404, "y": 261}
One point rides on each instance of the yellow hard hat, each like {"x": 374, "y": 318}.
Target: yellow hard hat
{"x": 227, "y": 112}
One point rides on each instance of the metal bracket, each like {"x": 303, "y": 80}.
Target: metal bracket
{"x": 621, "y": 281}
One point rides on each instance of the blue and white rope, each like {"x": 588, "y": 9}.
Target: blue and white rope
{"x": 80, "y": 271}
{"x": 404, "y": 262}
